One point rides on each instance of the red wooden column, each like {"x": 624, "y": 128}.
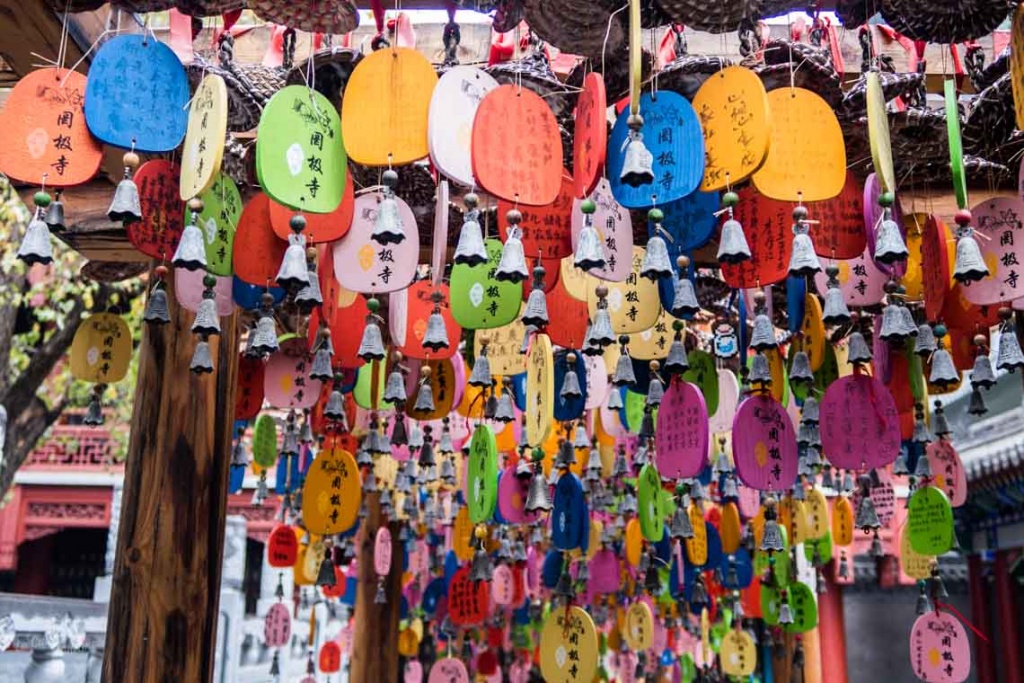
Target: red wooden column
{"x": 1009, "y": 622}
{"x": 832, "y": 630}
{"x": 983, "y": 658}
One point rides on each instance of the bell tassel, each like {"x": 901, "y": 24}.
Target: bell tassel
{"x": 264, "y": 336}
{"x": 638, "y": 164}
{"x": 589, "y": 253}
{"x": 732, "y": 243}
{"x": 157, "y": 311}
{"x": 684, "y": 299}
{"x": 803, "y": 262}
{"x": 202, "y": 362}
{"x": 570, "y": 383}
{"x": 36, "y": 246}
{"x": 293, "y": 274}
{"x": 425, "y": 397}
{"x": 656, "y": 263}
{"x": 191, "y": 251}
{"x": 436, "y": 336}
{"x": 859, "y": 353}
{"x": 889, "y": 244}
{"x": 1008, "y": 356}
{"x": 471, "y": 250}
{"x": 309, "y": 296}
{"x": 54, "y": 217}
{"x": 512, "y": 265}
{"x": 969, "y": 265}
{"x": 835, "y": 312}
{"x": 125, "y": 208}
{"x": 207, "y": 322}
{"x": 388, "y": 226}
{"x": 94, "y": 413}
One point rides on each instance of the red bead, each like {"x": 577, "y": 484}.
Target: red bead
{"x": 962, "y": 217}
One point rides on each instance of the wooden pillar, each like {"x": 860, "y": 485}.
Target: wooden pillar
{"x": 812, "y": 657}
{"x": 982, "y": 656}
{"x": 832, "y": 631}
{"x": 375, "y": 631}
{"x": 1008, "y": 619}
{"x": 782, "y": 659}
{"x": 162, "y": 620}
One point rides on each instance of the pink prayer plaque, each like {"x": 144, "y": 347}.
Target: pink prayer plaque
{"x": 448, "y": 670}
{"x": 883, "y": 497}
{"x": 597, "y": 382}
{"x": 604, "y": 572}
{"x": 764, "y": 445}
{"x": 860, "y": 424}
{"x": 361, "y": 264}
{"x": 681, "y": 436}
{"x": 625, "y": 666}
{"x": 749, "y": 502}
{"x": 1000, "y": 234}
{"x": 948, "y": 471}
{"x": 502, "y": 586}
{"x": 614, "y": 227}
{"x": 519, "y": 672}
{"x": 382, "y": 552}
{"x": 860, "y": 280}
{"x": 531, "y": 577}
{"x": 188, "y": 288}
{"x": 939, "y": 650}
{"x": 728, "y": 400}
{"x": 413, "y": 672}
{"x": 277, "y": 625}
{"x": 512, "y": 497}
{"x": 286, "y": 381}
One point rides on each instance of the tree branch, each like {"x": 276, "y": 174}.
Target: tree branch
{"x": 22, "y": 434}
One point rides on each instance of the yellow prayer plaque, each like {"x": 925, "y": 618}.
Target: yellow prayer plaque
{"x": 638, "y": 629}
{"x": 102, "y": 349}
{"x": 1017, "y": 64}
{"x": 654, "y": 342}
{"x": 735, "y": 117}
{"x": 807, "y": 161}
{"x": 878, "y": 134}
{"x": 914, "y": 564}
{"x": 738, "y": 653}
{"x": 577, "y": 283}
{"x": 697, "y": 545}
{"x": 384, "y": 112}
{"x": 331, "y": 493}
{"x": 568, "y": 646}
{"x": 462, "y": 535}
{"x": 540, "y": 391}
{"x": 634, "y": 304}
{"x": 634, "y": 542}
{"x": 842, "y": 522}
{"x": 203, "y": 150}
{"x": 816, "y": 507}
{"x": 812, "y": 330}
{"x": 913, "y": 278}
{"x": 730, "y": 528}
{"x": 504, "y": 348}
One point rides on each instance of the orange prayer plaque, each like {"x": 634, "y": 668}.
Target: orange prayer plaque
{"x": 590, "y": 140}
{"x": 517, "y": 147}
{"x": 44, "y": 130}
{"x": 320, "y": 227}
{"x": 384, "y": 112}
{"x": 257, "y": 252}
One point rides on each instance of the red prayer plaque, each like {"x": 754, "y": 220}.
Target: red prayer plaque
{"x": 418, "y": 310}
{"x": 939, "y": 649}
{"x": 764, "y": 445}
{"x": 282, "y": 547}
{"x": 860, "y": 426}
{"x": 590, "y": 141}
{"x": 277, "y": 625}
{"x": 567, "y": 317}
{"x": 157, "y": 234}
{"x": 257, "y": 252}
{"x": 517, "y": 147}
{"x": 320, "y": 227}
{"x": 330, "y": 652}
{"x": 948, "y": 471}
{"x": 552, "y": 276}
{"x": 768, "y": 226}
{"x": 839, "y": 232}
{"x": 547, "y": 230}
{"x": 346, "y": 326}
{"x": 468, "y": 600}
{"x": 45, "y": 132}
{"x": 958, "y": 312}
{"x": 935, "y": 273}
{"x": 681, "y": 437}
{"x": 249, "y": 394}
{"x": 1000, "y": 234}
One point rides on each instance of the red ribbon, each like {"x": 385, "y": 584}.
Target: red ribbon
{"x": 947, "y": 606}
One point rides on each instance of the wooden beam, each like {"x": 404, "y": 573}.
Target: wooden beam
{"x": 163, "y": 614}
{"x": 375, "y": 631}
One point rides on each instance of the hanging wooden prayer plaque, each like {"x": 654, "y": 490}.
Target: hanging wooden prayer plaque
{"x": 546, "y": 230}
{"x": 614, "y": 228}
{"x": 419, "y": 307}
{"x": 1000, "y": 235}
{"x": 939, "y": 648}
{"x": 930, "y": 521}
{"x": 264, "y": 441}
{"x": 137, "y": 95}
{"x": 190, "y": 288}
{"x": 503, "y": 348}
{"x": 257, "y": 251}
{"x": 764, "y": 445}
{"x": 102, "y": 349}
{"x": 859, "y": 279}
{"x": 878, "y": 133}
{"x": 482, "y": 478}
{"x": 479, "y": 300}
{"x": 1017, "y": 64}
{"x": 332, "y": 493}
{"x": 203, "y": 150}
{"x": 362, "y": 264}
{"x": 859, "y": 423}
{"x": 568, "y": 318}
{"x": 737, "y": 124}
{"x": 453, "y": 106}
{"x": 222, "y": 209}
{"x": 45, "y": 131}
{"x": 681, "y": 436}
{"x": 517, "y": 147}
{"x": 300, "y": 157}
{"x": 634, "y": 305}
{"x": 938, "y": 250}
{"x": 807, "y": 161}
{"x": 568, "y": 646}
{"x": 287, "y": 382}
{"x": 540, "y": 390}
{"x": 770, "y": 237}
{"x": 672, "y": 134}
{"x": 448, "y": 670}
{"x": 386, "y": 106}
{"x": 590, "y": 138}
{"x": 249, "y": 394}
{"x": 913, "y": 564}
{"x": 157, "y": 234}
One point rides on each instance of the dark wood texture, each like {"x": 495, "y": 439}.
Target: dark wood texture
{"x": 375, "y": 632}
{"x": 162, "y": 621}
